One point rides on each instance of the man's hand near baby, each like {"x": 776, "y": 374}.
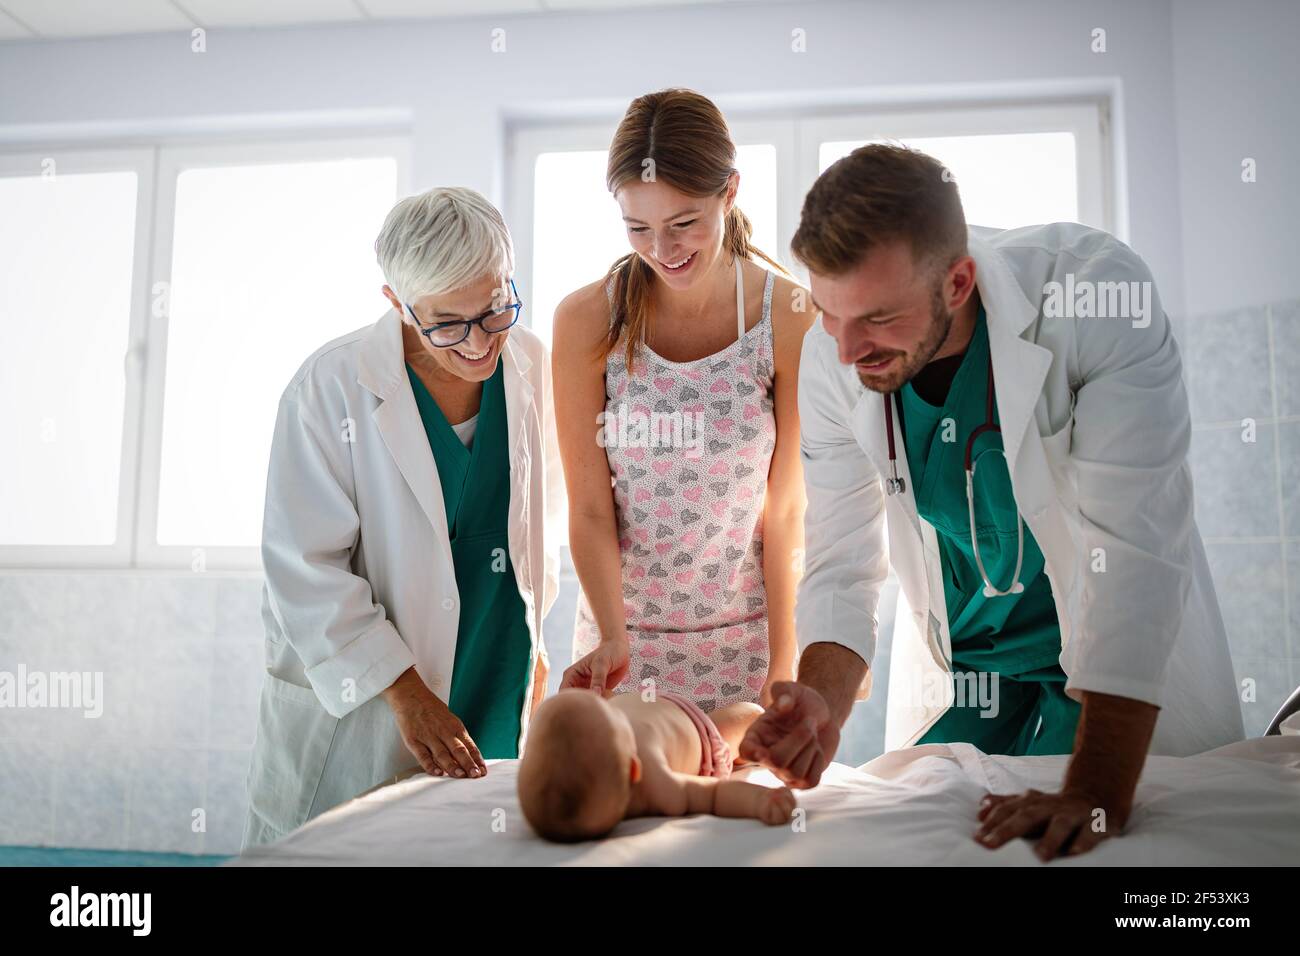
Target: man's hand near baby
{"x": 796, "y": 738}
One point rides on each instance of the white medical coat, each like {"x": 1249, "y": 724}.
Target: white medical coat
{"x": 360, "y": 583}
{"x": 1095, "y": 427}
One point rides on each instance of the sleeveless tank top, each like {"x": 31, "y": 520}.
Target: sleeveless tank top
{"x": 689, "y": 445}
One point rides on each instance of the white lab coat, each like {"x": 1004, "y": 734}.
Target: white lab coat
{"x": 359, "y": 577}
{"x": 1096, "y": 431}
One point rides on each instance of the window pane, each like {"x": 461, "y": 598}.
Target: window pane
{"x": 757, "y": 194}
{"x": 1006, "y": 179}
{"x": 66, "y": 252}
{"x": 578, "y": 232}
{"x": 269, "y": 262}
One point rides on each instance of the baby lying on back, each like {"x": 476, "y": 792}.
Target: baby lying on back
{"x": 590, "y": 762}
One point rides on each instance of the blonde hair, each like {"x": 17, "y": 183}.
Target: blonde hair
{"x": 686, "y": 139}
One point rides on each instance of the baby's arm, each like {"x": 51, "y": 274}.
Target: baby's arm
{"x": 734, "y": 798}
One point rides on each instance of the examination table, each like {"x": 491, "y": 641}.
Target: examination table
{"x": 1236, "y": 805}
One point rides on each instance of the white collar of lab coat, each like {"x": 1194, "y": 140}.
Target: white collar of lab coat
{"x": 1019, "y": 366}
{"x": 382, "y": 370}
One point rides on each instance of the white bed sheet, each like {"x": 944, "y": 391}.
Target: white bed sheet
{"x": 1237, "y": 805}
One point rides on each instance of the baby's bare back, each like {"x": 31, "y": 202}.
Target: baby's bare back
{"x": 666, "y": 737}
{"x": 669, "y": 748}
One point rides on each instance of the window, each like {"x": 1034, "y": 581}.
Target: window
{"x": 269, "y": 261}
{"x": 1014, "y": 166}
{"x": 69, "y": 258}
{"x": 1005, "y": 179}
{"x": 260, "y": 254}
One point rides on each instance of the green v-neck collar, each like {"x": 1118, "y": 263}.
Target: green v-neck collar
{"x": 455, "y": 462}
{"x": 974, "y": 361}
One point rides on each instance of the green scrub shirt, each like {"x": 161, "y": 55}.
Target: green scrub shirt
{"x": 493, "y": 646}
{"x": 1015, "y": 636}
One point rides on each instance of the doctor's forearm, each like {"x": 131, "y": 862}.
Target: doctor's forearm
{"x": 1110, "y": 748}
{"x": 836, "y": 673}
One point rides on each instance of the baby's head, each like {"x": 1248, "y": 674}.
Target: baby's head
{"x": 578, "y": 767}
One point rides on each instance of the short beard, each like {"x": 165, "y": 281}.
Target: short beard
{"x": 913, "y": 362}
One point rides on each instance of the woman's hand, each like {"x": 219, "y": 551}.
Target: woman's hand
{"x": 602, "y": 670}
{"x": 432, "y": 733}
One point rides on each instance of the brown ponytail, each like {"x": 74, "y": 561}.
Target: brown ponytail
{"x": 684, "y": 137}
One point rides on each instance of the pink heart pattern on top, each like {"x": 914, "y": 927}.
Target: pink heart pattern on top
{"x": 690, "y": 520}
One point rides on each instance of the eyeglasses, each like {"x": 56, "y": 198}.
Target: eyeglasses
{"x": 444, "y": 335}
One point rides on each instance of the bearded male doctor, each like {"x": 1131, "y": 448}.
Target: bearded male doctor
{"x": 1000, "y": 417}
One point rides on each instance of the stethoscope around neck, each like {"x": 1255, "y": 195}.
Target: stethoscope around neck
{"x": 895, "y": 485}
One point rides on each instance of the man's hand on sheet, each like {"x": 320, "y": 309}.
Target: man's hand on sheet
{"x": 1096, "y": 796}
{"x": 1063, "y": 822}
{"x": 795, "y": 738}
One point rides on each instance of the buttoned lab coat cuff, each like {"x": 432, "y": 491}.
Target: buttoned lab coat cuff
{"x": 361, "y": 670}
{"x": 1116, "y": 685}
{"x": 838, "y": 621}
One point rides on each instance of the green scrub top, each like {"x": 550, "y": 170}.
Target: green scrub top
{"x": 493, "y": 646}
{"x": 1015, "y": 636}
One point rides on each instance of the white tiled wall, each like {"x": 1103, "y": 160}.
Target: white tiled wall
{"x": 1242, "y": 365}
{"x": 181, "y": 657}
{"x": 181, "y": 653}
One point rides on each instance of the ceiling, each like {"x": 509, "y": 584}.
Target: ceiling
{"x": 47, "y": 19}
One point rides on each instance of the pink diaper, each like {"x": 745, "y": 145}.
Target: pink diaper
{"x": 715, "y": 755}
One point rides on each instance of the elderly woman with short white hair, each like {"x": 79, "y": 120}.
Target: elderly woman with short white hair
{"x": 410, "y": 538}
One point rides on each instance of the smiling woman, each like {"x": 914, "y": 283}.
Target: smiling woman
{"x": 407, "y": 563}
{"x": 684, "y": 549}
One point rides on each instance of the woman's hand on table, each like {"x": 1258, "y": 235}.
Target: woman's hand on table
{"x": 432, "y": 733}
{"x": 601, "y": 670}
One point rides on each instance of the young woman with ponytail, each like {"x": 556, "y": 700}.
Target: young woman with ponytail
{"x": 675, "y": 393}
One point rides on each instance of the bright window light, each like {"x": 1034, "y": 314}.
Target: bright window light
{"x": 1006, "y": 179}
{"x": 757, "y": 194}
{"x": 578, "y": 232}
{"x": 66, "y": 254}
{"x": 269, "y": 262}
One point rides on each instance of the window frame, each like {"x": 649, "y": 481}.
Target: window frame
{"x": 524, "y": 144}
{"x": 78, "y": 160}
{"x": 1086, "y": 120}
{"x": 158, "y": 166}
{"x": 173, "y": 161}
{"x": 798, "y": 135}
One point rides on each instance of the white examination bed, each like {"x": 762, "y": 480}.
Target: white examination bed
{"x": 1238, "y": 804}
